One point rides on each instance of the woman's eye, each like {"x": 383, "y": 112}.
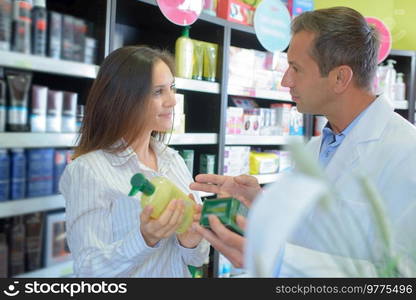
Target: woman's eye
{"x": 173, "y": 87}
{"x": 157, "y": 92}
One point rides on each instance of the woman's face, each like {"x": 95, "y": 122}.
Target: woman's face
{"x": 159, "y": 116}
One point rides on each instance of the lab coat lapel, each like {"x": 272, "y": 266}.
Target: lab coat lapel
{"x": 367, "y": 131}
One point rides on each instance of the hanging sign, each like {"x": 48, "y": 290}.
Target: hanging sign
{"x": 272, "y": 25}
{"x": 385, "y": 37}
{"x": 181, "y": 12}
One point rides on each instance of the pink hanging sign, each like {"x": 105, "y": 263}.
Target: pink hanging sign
{"x": 385, "y": 37}
{"x": 181, "y": 12}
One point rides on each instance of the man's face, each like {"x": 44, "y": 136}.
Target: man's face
{"x": 308, "y": 88}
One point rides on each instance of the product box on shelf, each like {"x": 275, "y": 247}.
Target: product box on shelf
{"x": 188, "y": 157}
{"x": 40, "y": 172}
{"x": 59, "y": 164}
{"x": 251, "y": 122}
{"x": 281, "y": 117}
{"x": 80, "y": 30}
{"x": 296, "y": 7}
{"x": 18, "y": 174}
{"x": 235, "y": 11}
{"x": 67, "y": 37}
{"x": 4, "y": 175}
{"x": 276, "y": 61}
{"x": 54, "y": 34}
{"x": 39, "y": 108}
{"x": 263, "y": 163}
{"x": 296, "y": 122}
{"x": 241, "y": 67}
{"x": 235, "y": 119}
{"x": 5, "y": 24}
{"x": 236, "y": 160}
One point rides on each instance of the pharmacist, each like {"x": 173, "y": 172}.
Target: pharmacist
{"x": 332, "y": 62}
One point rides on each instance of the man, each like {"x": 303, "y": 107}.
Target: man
{"x": 332, "y": 62}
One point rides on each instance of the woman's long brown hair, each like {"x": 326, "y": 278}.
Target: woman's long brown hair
{"x": 117, "y": 102}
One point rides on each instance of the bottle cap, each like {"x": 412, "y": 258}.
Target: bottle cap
{"x": 139, "y": 183}
{"x": 185, "y": 31}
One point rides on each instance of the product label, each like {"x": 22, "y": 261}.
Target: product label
{"x": 17, "y": 115}
{"x": 2, "y": 118}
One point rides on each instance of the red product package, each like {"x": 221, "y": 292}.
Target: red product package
{"x": 235, "y": 11}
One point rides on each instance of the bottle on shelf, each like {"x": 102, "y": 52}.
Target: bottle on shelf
{"x": 184, "y": 51}
{"x": 39, "y": 25}
{"x": 158, "y": 192}
{"x": 18, "y": 85}
{"x": 22, "y": 26}
{"x": 400, "y": 88}
{"x": 5, "y": 24}
{"x": 390, "y": 80}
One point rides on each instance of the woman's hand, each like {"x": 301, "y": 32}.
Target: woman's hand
{"x": 153, "y": 230}
{"x": 191, "y": 238}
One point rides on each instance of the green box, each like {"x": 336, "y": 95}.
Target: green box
{"x": 207, "y": 163}
{"x": 226, "y": 209}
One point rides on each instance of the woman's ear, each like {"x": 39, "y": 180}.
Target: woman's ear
{"x": 341, "y": 78}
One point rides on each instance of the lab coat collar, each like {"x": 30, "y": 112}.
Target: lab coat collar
{"x": 369, "y": 129}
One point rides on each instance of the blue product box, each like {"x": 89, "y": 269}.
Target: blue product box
{"x": 4, "y": 175}
{"x": 18, "y": 174}
{"x": 40, "y": 172}
{"x": 58, "y": 167}
{"x": 300, "y": 6}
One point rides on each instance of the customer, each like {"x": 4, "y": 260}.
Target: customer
{"x": 128, "y": 111}
{"x": 332, "y": 62}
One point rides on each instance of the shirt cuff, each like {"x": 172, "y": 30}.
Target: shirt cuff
{"x": 135, "y": 245}
{"x": 194, "y": 256}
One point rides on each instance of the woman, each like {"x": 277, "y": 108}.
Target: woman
{"x": 129, "y": 108}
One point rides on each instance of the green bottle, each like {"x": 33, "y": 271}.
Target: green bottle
{"x": 158, "y": 192}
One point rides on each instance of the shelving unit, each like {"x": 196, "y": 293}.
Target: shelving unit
{"x": 197, "y": 85}
{"x": 13, "y": 208}
{"x": 36, "y": 140}
{"x": 51, "y": 140}
{"x": 261, "y": 140}
{"x": 258, "y": 93}
{"x": 48, "y": 65}
{"x": 406, "y": 64}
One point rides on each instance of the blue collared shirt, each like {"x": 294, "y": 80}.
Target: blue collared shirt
{"x": 331, "y": 141}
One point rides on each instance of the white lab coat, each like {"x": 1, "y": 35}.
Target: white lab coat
{"x": 382, "y": 146}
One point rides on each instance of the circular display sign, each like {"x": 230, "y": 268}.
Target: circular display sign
{"x": 385, "y": 37}
{"x": 181, "y": 12}
{"x": 272, "y": 25}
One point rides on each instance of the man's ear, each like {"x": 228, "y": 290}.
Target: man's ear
{"x": 341, "y": 78}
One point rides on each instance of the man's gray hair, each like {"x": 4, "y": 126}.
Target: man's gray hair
{"x": 342, "y": 37}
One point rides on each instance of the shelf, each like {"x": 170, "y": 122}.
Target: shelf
{"x": 30, "y": 205}
{"x": 47, "y": 65}
{"x": 39, "y": 140}
{"x": 267, "y": 178}
{"x": 36, "y": 140}
{"x": 214, "y": 20}
{"x": 257, "y": 93}
{"x": 261, "y": 140}
{"x": 197, "y": 85}
{"x": 194, "y": 139}
{"x": 401, "y": 104}
{"x": 64, "y": 269}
